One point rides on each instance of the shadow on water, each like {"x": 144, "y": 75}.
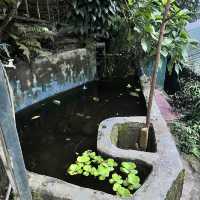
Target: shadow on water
{"x": 52, "y": 131}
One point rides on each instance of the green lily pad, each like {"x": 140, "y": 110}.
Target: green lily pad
{"x": 87, "y": 168}
{"x": 74, "y": 169}
{"x": 134, "y": 181}
{"x": 111, "y": 163}
{"x": 116, "y": 179}
{"x": 128, "y": 167}
{"x": 121, "y": 191}
{"x": 83, "y": 159}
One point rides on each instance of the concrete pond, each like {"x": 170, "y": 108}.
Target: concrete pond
{"x": 116, "y": 136}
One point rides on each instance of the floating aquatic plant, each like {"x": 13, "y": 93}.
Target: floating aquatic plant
{"x": 91, "y": 164}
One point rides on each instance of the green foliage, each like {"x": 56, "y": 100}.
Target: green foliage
{"x": 75, "y": 169}
{"x": 133, "y": 181}
{"x": 92, "y": 16}
{"x": 188, "y": 136}
{"x": 5, "y": 3}
{"x": 191, "y": 5}
{"x": 28, "y": 38}
{"x": 142, "y": 20}
{"x": 128, "y": 167}
{"x": 116, "y": 179}
{"x": 121, "y": 191}
{"x": 90, "y": 164}
{"x": 187, "y": 101}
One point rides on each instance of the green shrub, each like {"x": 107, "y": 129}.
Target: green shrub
{"x": 92, "y": 16}
{"x": 137, "y": 31}
{"x": 187, "y": 102}
{"x": 188, "y": 136}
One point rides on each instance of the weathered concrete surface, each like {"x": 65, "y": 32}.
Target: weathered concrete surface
{"x": 48, "y": 188}
{"x": 166, "y": 179}
{"x": 164, "y": 183}
{"x": 167, "y": 166}
{"x": 191, "y": 189}
{"x": 47, "y": 76}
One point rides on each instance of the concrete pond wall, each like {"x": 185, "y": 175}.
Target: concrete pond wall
{"x": 162, "y": 161}
{"x": 47, "y": 76}
{"x": 65, "y": 70}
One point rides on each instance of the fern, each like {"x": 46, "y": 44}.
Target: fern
{"x": 28, "y": 38}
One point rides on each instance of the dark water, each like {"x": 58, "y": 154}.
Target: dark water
{"x": 52, "y": 133}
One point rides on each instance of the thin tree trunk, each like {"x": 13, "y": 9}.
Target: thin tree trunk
{"x": 11, "y": 14}
{"x": 144, "y": 133}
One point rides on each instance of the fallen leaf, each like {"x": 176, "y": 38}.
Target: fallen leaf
{"x": 35, "y": 117}
{"x": 57, "y": 102}
{"x": 134, "y": 94}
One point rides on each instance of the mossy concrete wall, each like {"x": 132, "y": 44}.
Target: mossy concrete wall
{"x": 47, "y": 76}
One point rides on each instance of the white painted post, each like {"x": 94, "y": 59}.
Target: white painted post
{"x": 9, "y": 135}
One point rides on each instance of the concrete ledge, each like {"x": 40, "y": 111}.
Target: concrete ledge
{"x": 48, "y": 188}
{"x": 164, "y": 182}
{"x": 166, "y": 179}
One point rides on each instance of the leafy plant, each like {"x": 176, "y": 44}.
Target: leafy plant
{"x": 187, "y": 133}
{"x": 75, "y": 169}
{"x": 128, "y": 167}
{"x": 121, "y": 191}
{"x": 133, "y": 181}
{"x": 116, "y": 179}
{"x": 187, "y": 101}
{"x": 84, "y": 159}
{"x": 92, "y": 16}
{"x": 90, "y": 164}
{"x": 28, "y": 38}
{"x": 142, "y": 20}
